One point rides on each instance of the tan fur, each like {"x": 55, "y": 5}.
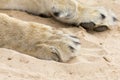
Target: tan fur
{"x": 37, "y": 40}
{"x": 42, "y": 41}
{"x": 70, "y": 11}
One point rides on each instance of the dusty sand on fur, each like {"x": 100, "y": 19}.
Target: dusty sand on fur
{"x": 99, "y": 58}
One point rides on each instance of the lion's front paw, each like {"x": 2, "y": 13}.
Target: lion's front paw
{"x": 59, "y": 47}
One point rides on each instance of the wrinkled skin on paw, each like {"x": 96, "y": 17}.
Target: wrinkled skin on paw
{"x": 37, "y": 40}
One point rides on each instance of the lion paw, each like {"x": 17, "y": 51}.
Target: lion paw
{"x": 59, "y": 47}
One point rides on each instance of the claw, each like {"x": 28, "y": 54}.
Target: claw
{"x": 72, "y": 48}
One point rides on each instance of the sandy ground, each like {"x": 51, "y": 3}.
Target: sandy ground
{"x": 99, "y": 58}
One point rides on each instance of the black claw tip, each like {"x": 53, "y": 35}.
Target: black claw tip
{"x": 115, "y": 19}
{"x": 56, "y": 14}
{"x": 73, "y": 36}
{"x": 103, "y": 16}
{"x": 72, "y": 48}
{"x": 76, "y": 43}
